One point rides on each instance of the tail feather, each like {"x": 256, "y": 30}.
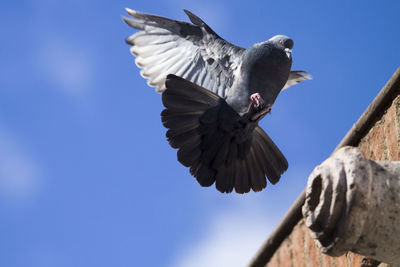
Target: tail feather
{"x": 183, "y": 103}
{"x": 241, "y": 180}
{"x": 276, "y": 155}
{"x": 204, "y": 175}
{"x": 229, "y": 180}
{"x": 222, "y": 179}
{"x": 232, "y": 154}
{"x": 244, "y": 148}
{"x": 272, "y": 158}
{"x": 167, "y": 114}
{"x": 254, "y": 173}
{"x": 179, "y": 86}
{"x": 210, "y": 151}
{"x": 215, "y": 142}
{"x": 210, "y": 117}
{"x": 177, "y": 141}
{"x": 262, "y": 159}
{"x": 177, "y": 120}
{"x": 190, "y": 152}
{"x": 184, "y": 128}
{"x": 258, "y": 179}
{"x": 221, "y": 155}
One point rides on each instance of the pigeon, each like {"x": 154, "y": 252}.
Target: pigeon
{"x": 215, "y": 93}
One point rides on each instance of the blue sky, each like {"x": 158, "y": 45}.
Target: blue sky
{"x": 86, "y": 175}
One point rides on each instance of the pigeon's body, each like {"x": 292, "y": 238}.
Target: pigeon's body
{"x": 215, "y": 93}
{"x": 264, "y": 70}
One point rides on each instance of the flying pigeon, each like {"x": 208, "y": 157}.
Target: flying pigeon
{"x": 214, "y": 94}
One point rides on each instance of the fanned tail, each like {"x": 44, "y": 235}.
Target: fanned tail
{"x": 215, "y": 142}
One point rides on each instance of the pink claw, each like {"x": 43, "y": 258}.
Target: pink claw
{"x": 256, "y": 99}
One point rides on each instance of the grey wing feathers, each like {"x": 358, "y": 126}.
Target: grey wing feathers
{"x": 192, "y": 51}
{"x": 296, "y": 76}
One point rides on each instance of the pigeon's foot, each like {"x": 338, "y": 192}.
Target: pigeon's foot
{"x": 257, "y": 100}
{"x": 259, "y": 105}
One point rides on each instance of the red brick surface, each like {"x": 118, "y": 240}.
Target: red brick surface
{"x": 297, "y": 238}
{"x": 274, "y": 262}
{"x": 341, "y": 261}
{"x": 391, "y": 134}
{"x": 376, "y": 144}
{"x": 355, "y": 259}
{"x": 285, "y": 259}
{"x": 326, "y": 261}
{"x": 311, "y": 249}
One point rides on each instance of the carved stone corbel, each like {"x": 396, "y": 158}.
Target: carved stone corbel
{"x": 353, "y": 204}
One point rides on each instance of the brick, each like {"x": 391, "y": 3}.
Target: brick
{"x": 297, "y": 235}
{"x": 311, "y": 250}
{"x": 341, "y": 261}
{"x": 355, "y": 259}
{"x": 391, "y": 133}
{"x": 274, "y": 262}
{"x": 285, "y": 253}
{"x": 326, "y": 260}
{"x": 376, "y": 142}
{"x": 396, "y": 107}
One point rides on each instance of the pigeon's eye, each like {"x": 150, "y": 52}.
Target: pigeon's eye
{"x": 281, "y": 42}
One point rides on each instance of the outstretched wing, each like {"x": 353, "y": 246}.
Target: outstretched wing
{"x": 192, "y": 51}
{"x": 296, "y": 76}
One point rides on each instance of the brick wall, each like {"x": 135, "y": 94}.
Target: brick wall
{"x": 299, "y": 250}
{"x": 382, "y": 142}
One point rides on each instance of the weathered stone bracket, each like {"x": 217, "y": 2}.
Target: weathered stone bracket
{"x": 353, "y": 204}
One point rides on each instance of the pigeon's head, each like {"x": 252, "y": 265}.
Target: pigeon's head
{"x": 274, "y": 53}
{"x": 282, "y": 42}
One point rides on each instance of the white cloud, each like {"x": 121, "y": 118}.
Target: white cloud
{"x": 232, "y": 239}
{"x": 19, "y": 173}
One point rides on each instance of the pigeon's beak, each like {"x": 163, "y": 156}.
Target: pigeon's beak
{"x": 288, "y": 52}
